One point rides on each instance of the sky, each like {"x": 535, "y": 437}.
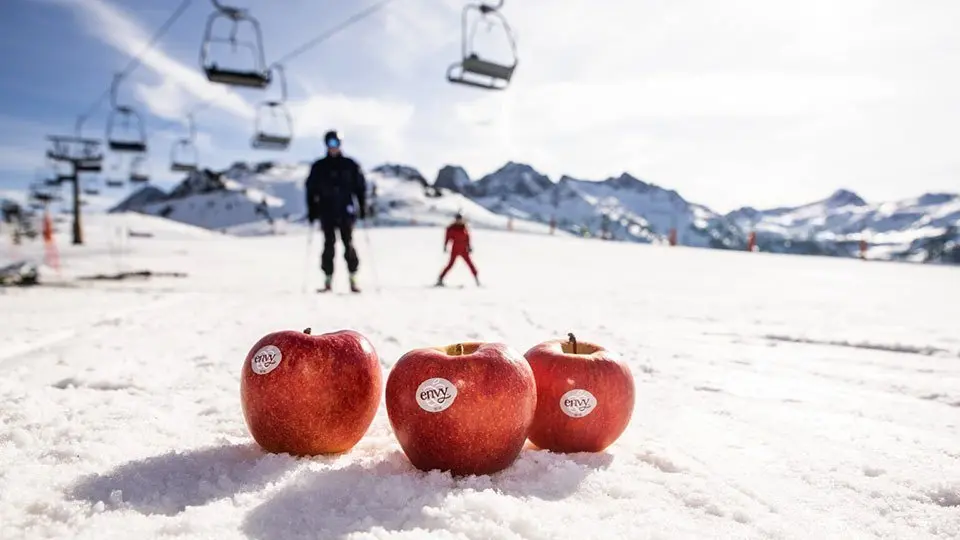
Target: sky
{"x": 759, "y": 103}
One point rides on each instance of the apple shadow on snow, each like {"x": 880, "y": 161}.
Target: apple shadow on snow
{"x": 391, "y": 494}
{"x": 168, "y": 484}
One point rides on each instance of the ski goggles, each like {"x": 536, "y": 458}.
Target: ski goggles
{"x": 333, "y": 143}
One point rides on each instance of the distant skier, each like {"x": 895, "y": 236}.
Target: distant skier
{"x": 336, "y": 197}
{"x": 459, "y": 236}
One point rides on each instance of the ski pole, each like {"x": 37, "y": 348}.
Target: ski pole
{"x": 306, "y": 261}
{"x": 373, "y": 266}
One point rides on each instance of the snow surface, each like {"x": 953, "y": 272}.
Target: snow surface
{"x": 788, "y": 397}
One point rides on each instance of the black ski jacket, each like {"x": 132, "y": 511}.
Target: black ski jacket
{"x": 333, "y": 184}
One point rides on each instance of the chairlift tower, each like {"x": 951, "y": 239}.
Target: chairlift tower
{"x": 83, "y": 155}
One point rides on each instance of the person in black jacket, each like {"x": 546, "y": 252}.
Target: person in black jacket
{"x": 336, "y": 197}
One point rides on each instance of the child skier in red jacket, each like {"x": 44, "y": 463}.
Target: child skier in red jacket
{"x": 459, "y": 235}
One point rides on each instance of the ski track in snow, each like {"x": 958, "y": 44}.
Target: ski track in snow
{"x": 121, "y": 414}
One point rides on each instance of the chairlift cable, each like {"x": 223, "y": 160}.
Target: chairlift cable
{"x": 333, "y": 31}
{"x": 357, "y": 17}
{"x": 135, "y": 61}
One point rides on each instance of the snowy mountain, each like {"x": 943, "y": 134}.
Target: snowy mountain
{"x": 622, "y": 207}
{"x": 219, "y": 201}
{"x": 240, "y": 199}
{"x": 250, "y": 198}
{"x": 140, "y": 198}
{"x": 403, "y": 172}
{"x": 513, "y": 180}
{"x": 452, "y": 178}
{"x": 904, "y": 230}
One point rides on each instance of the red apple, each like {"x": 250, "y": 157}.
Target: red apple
{"x": 307, "y": 394}
{"x": 585, "y": 396}
{"x": 465, "y": 408}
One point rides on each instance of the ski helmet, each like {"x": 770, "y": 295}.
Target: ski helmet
{"x": 332, "y": 138}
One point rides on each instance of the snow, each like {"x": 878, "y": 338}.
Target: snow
{"x": 636, "y": 211}
{"x": 624, "y": 207}
{"x": 403, "y": 202}
{"x": 232, "y": 207}
{"x": 786, "y": 397}
{"x": 890, "y": 227}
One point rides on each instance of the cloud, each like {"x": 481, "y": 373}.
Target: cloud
{"x": 749, "y": 102}
{"x": 179, "y": 82}
{"x": 377, "y": 124}
{"x": 745, "y": 103}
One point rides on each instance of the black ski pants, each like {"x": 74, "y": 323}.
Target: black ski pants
{"x": 330, "y": 230}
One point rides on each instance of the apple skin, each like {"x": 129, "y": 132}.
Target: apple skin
{"x": 484, "y": 427}
{"x": 600, "y": 372}
{"x": 320, "y": 398}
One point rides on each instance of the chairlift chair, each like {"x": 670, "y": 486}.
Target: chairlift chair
{"x": 183, "y": 165}
{"x": 85, "y": 153}
{"x": 184, "y": 156}
{"x": 258, "y": 76}
{"x": 90, "y": 165}
{"x": 134, "y": 145}
{"x": 127, "y": 115}
{"x": 91, "y": 191}
{"x": 137, "y": 174}
{"x": 114, "y": 183}
{"x": 41, "y": 196}
{"x": 264, "y": 140}
{"x": 492, "y": 75}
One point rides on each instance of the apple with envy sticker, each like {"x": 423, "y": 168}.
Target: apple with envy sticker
{"x": 307, "y": 394}
{"x": 463, "y": 408}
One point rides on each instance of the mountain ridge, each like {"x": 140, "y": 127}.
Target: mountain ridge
{"x": 622, "y": 207}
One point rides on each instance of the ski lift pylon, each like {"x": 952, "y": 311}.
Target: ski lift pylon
{"x": 278, "y": 111}
{"x": 127, "y": 115}
{"x": 184, "y": 156}
{"x": 258, "y": 76}
{"x": 492, "y": 75}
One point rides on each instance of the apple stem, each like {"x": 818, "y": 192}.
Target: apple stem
{"x": 573, "y": 341}
{"x": 306, "y": 331}
{"x": 459, "y": 349}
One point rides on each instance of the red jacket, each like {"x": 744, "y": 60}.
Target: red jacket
{"x": 460, "y": 236}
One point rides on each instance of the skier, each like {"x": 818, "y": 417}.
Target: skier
{"x": 336, "y": 193}
{"x": 459, "y": 236}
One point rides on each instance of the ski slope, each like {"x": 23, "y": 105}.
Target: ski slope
{"x": 786, "y": 397}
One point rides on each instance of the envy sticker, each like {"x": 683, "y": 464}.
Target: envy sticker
{"x": 577, "y": 403}
{"x": 266, "y": 360}
{"x": 435, "y": 395}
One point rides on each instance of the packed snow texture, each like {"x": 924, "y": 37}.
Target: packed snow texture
{"x": 777, "y": 396}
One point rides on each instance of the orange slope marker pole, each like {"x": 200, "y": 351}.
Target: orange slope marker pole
{"x": 51, "y": 255}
